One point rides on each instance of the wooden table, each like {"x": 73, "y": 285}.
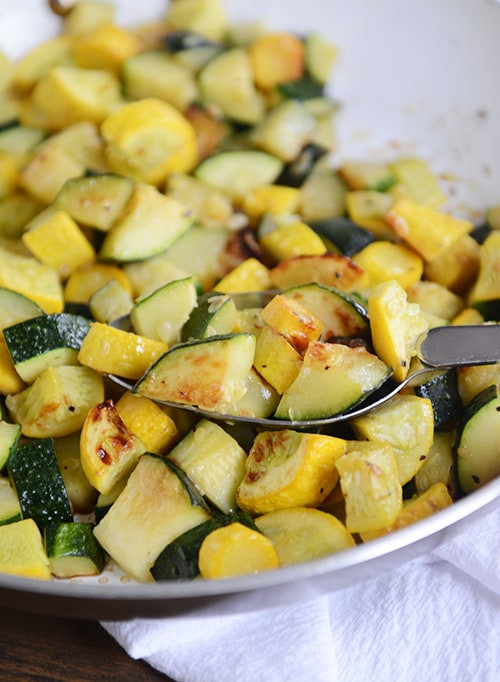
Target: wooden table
{"x": 35, "y": 648}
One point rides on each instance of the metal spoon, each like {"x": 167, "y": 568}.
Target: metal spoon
{"x": 440, "y": 348}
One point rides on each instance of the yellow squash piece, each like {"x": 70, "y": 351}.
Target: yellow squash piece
{"x": 456, "y": 268}
{"x": 38, "y": 61}
{"x": 277, "y": 58}
{"x": 293, "y": 321}
{"x": 435, "y": 299}
{"x": 292, "y": 239}
{"x": 370, "y": 482}
{"x": 289, "y": 469}
{"x": 44, "y": 176}
{"x": 10, "y": 381}
{"x": 22, "y": 552}
{"x": 108, "y": 449}
{"x": 234, "y": 550}
{"x": 487, "y": 286}
{"x": 155, "y": 428}
{"x": 88, "y": 279}
{"x": 149, "y": 140}
{"x": 302, "y": 534}
{"x": 276, "y": 359}
{"x": 395, "y": 325}
{"x": 421, "y": 183}
{"x": 114, "y": 351}
{"x": 368, "y": 209}
{"x": 33, "y": 279}
{"x": 206, "y": 17}
{"x": 383, "y": 260}
{"x": 250, "y": 275}
{"x": 274, "y": 199}
{"x": 105, "y": 47}
{"x": 428, "y": 231}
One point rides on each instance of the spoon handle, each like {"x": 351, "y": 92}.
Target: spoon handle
{"x": 459, "y": 346}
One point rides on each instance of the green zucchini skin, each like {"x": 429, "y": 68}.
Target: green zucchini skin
{"x": 178, "y": 41}
{"x": 197, "y": 500}
{"x": 179, "y": 559}
{"x": 295, "y": 172}
{"x": 442, "y": 390}
{"x": 344, "y": 234}
{"x": 67, "y": 541}
{"x": 302, "y": 88}
{"x": 37, "y": 479}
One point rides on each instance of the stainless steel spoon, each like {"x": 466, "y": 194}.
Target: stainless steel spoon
{"x": 440, "y": 348}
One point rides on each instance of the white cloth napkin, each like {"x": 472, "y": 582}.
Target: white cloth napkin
{"x": 435, "y": 619}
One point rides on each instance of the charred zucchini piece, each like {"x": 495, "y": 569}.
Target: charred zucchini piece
{"x": 343, "y": 234}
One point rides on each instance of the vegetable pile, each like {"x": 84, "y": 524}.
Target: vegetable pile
{"x": 147, "y": 175}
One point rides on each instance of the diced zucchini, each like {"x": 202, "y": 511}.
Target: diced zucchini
{"x": 57, "y": 402}
{"x": 285, "y": 130}
{"x": 332, "y": 379}
{"x": 151, "y": 274}
{"x": 331, "y": 269}
{"x": 214, "y": 461}
{"x": 22, "y": 552}
{"x": 302, "y": 534}
{"x": 165, "y": 218}
{"x": 260, "y": 399}
{"x": 407, "y": 423}
{"x": 108, "y": 449}
{"x": 45, "y": 341}
{"x": 363, "y": 175}
{"x": 209, "y": 206}
{"x": 214, "y": 314}
{"x": 478, "y": 440}
{"x": 81, "y": 493}
{"x": 210, "y": 373}
{"x": 10, "y": 509}
{"x": 9, "y": 438}
{"x": 320, "y": 57}
{"x": 473, "y": 380}
{"x": 16, "y": 210}
{"x": 104, "y": 502}
{"x": 10, "y": 381}
{"x": 368, "y": 209}
{"x": 344, "y": 235}
{"x": 44, "y": 176}
{"x": 295, "y": 173}
{"x": 179, "y": 559}
{"x": 83, "y": 141}
{"x": 16, "y": 308}
{"x": 97, "y": 200}
{"x": 439, "y": 465}
{"x": 72, "y": 550}
{"x": 37, "y": 479}
{"x": 86, "y": 15}
{"x": 324, "y": 196}
{"x": 38, "y": 61}
{"x": 441, "y": 388}
{"x": 162, "y": 314}
{"x": 417, "y": 178}
{"x": 110, "y": 302}
{"x": 20, "y": 139}
{"x": 289, "y": 469}
{"x": 206, "y": 17}
{"x": 153, "y": 509}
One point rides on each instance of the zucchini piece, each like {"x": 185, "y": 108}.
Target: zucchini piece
{"x": 10, "y": 509}
{"x": 9, "y": 438}
{"x": 45, "y": 341}
{"x": 208, "y": 206}
{"x": 345, "y": 236}
{"x": 204, "y": 17}
{"x": 362, "y": 175}
{"x": 296, "y": 171}
{"x": 441, "y": 388}
{"x": 407, "y": 423}
{"x": 324, "y": 195}
{"x": 57, "y": 402}
{"x": 81, "y": 493}
{"x": 214, "y": 462}
{"x": 108, "y": 449}
{"x": 16, "y": 210}
{"x": 157, "y": 74}
{"x": 419, "y": 181}
{"x": 238, "y": 172}
{"x": 16, "y": 308}
{"x": 105, "y": 501}
{"x": 260, "y": 400}
{"x": 22, "y": 552}
{"x": 368, "y": 208}
{"x": 179, "y": 41}
{"x": 37, "y": 480}
{"x": 478, "y": 440}
{"x": 320, "y": 57}
{"x": 227, "y": 82}
{"x": 285, "y": 130}
{"x": 10, "y": 381}
{"x": 153, "y": 273}
{"x": 97, "y": 201}
{"x": 234, "y": 550}
{"x": 20, "y": 139}
{"x": 439, "y": 465}
{"x": 162, "y": 314}
{"x": 301, "y": 89}
{"x": 302, "y": 534}
{"x": 214, "y": 314}
{"x": 332, "y": 379}
{"x": 289, "y": 469}
{"x": 331, "y": 269}
{"x": 153, "y": 509}
{"x": 165, "y": 218}
{"x": 210, "y": 373}
{"x": 179, "y": 559}
{"x": 72, "y": 550}
{"x": 341, "y": 315}
{"x": 110, "y": 302}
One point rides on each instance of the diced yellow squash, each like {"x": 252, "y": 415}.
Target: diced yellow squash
{"x": 44, "y": 176}
{"x": 105, "y": 47}
{"x": 289, "y": 469}
{"x": 210, "y": 129}
{"x": 67, "y": 95}
{"x": 291, "y": 319}
{"x": 407, "y": 423}
{"x": 208, "y": 206}
{"x": 6, "y": 70}
{"x": 149, "y": 140}
{"x": 207, "y": 17}
{"x": 81, "y": 493}
{"x": 33, "y": 279}
{"x": 114, "y": 351}
{"x": 366, "y": 175}
{"x": 370, "y": 482}
{"x": 88, "y": 279}
{"x": 422, "y": 185}
{"x": 330, "y": 268}
{"x": 487, "y": 286}
{"x": 276, "y": 359}
{"x": 302, "y": 534}
{"x": 439, "y": 465}
{"x": 274, "y": 199}
{"x": 59, "y": 243}
{"x": 38, "y": 61}
{"x": 383, "y": 260}
{"x": 323, "y": 193}
{"x": 10, "y": 381}
{"x": 468, "y": 316}
{"x": 428, "y": 231}
{"x": 292, "y": 239}
{"x": 22, "y": 552}
{"x": 473, "y": 380}
{"x": 8, "y": 175}
{"x": 395, "y": 325}
{"x": 155, "y": 428}
{"x": 368, "y": 209}
{"x": 250, "y": 275}
{"x": 57, "y": 402}
{"x": 276, "y": 58}
{"x": 457, "y": 267}
{"x": 435, "y": 299}
{"x": 234, "y": 550}
{"x": 86, "y": 15}
{"x": 417, "y": 508}
{"x": 83, "y": 142}
{"x": 108, "y": 449}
